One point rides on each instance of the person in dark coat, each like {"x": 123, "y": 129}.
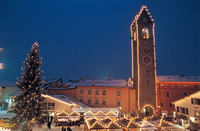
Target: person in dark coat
{"x": 69, "y": 129}
{"x": 63, "y": 128}
{"x": 49, "y": 124}
{"x": 51, "y": 118}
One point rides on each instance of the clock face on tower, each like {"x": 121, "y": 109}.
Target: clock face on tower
{"x": 147, "y": 60}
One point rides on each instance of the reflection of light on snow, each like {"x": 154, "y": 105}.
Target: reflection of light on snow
{"x": 1, "y": 65}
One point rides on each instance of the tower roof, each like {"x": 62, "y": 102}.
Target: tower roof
{"x": 142, "y": 10}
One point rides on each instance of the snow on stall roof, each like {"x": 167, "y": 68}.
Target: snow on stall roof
{"x": 95, "y": 110}
{"x": 68, "y": 99}
{"x": 179, "y": 78}
{"x": 7, "y": 84}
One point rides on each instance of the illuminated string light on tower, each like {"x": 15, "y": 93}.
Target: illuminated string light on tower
{"x": 1, "y": 63}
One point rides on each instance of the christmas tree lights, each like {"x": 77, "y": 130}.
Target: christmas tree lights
{"x": 30, "y": 103}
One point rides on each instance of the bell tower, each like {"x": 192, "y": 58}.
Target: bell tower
{"x": 144, "y": 62}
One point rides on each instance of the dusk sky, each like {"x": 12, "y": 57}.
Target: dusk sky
{"x": 92, "y": 38}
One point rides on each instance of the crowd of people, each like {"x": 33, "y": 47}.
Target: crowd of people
{"x": 69, "y": 123}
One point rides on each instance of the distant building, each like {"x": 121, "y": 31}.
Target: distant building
{"x": 188, "y": 108}
{"x": 172, "y": 88}
{"x": 6, "y": 88}
{"x": 98, "y": 93}
{"x": 145, "y": 93}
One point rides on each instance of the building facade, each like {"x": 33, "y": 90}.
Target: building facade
{"x": 173, "y": 88}
{"x": 188, "y": 109}
{"x": 100, "y": 93}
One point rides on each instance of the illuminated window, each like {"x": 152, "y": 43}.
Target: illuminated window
{"x": 81, "y": 91}
{"x": 162, "y": 85}
{"x": 184, "y": 85}
{"x": 175, "y": 86}
{"x": 169, "y": 85}
{"x": 135, "y": 37}
{"x": 97, "y": 92}
{"x": 104, "y": 92}
{"x": 118, "y": 93}
{"x": 89, "y": 92}
{"x": 145, "y": 33}
{"x": 196, "y": 113}
{"x": 103, "y": 102}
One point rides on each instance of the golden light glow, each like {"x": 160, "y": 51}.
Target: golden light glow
{"x": 145, "y": 33}
{"x": 88, "y": 112}
{"x": 61, "y": 113}
{"x": 47, "y": 96}
{"x": 155, "y": 63}
{"x": 111, "y": 112}
{"x": 99, "y": 112}
{"x": 74, "y": 112}
{"x": 1, "y": 65}
{"x": 4, "y": 129}
{"x": 154, "y": 111}
{"x": 138, "y": 15}
{"x": 190, "y": 96}
{"x": 138, "y": 66}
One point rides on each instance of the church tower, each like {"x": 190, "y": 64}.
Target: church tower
{"x": 144, "y": 62}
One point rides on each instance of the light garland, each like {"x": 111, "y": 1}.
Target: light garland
{"x": 47, "y": 96}
{"x": 97, "y": 114}
{"x": 4, "y": 129}
{"x": 62, "y": 112}
{"x": 74, "y": 112}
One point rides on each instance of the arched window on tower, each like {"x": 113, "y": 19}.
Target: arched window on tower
{"x": 145, "y": 33}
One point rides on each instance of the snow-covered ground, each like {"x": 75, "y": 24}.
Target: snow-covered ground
{"x": 4, "y": 114}
{"x": 53, "y": 128}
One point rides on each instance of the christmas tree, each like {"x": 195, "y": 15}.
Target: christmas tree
{"x": 30, "y": 103}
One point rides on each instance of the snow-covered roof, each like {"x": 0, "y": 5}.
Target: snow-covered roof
{"x": 94, "y": 83}
{"x": 105, "y": 83}
{"x": 15, "y": 93}
{"x": 179, "y": 78}
{"x": 68, "y": 99}
{"x": 190, "y": 96}
{"x": 7, "y": 84}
